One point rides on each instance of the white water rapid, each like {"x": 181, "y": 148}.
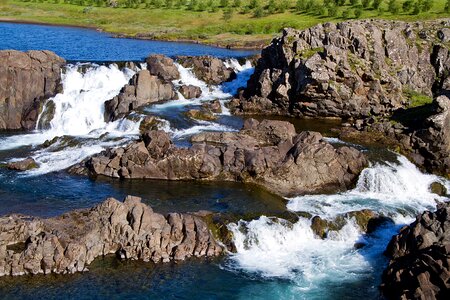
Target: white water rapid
{"x": 275, "y": 248}
{"x": 78, "y": 119}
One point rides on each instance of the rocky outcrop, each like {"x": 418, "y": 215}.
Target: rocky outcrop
{"x": 419, "y": 266}
{"x": 142, "y": 89}
{"x": 129, "y": 229}
{"x": 26, "y": 79}
{"x": 353, "y": 69}
{"x": 421, "y": 133}
{"x": 268, "y": 153}
{"x": 211, "y": 70}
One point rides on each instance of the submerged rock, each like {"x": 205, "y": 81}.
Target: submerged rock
{"x": 23, "y": 165}
{"x": 268, "y": 153}
{"x": 129, "y": 229}
{"x": 26, "y": 80}
{"x": 419, "y": 266}
{"x": 201, "y": 114}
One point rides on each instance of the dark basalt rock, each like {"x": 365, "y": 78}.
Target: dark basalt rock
{"x": 267, "y": 153}
{"x": 419, "y": 266}
{"x": 129, "y": 229}
{"x": 26, "y": 80}
{"x": 352, "y": 69}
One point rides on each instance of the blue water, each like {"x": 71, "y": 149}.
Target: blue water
{"x": 80, "y": 44}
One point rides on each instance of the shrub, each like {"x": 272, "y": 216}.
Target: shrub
{"x": 366, "y": 3}
{"x": 358, "y": 13}
{"x": 332, "y": 11}
{"x": 393, "y": 7}
{"x": 376, "y": 4}
{"x": 346, "y": 13}
{"x": 407, "y": 5}
{"x": 227, "y": 14}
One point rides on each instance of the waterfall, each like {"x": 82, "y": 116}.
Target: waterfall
{"x": 276, "y": 248}
{"x": 76, "y": 119}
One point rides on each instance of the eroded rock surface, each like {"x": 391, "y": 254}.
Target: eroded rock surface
{"x": 70, "y": 242}
{"x": 26, "y": 79}
{"x": 420, "y": 258}
{"x": 211, "y": 70}
{"x": 351, "y": 69}
{"x": 268, "y": 153}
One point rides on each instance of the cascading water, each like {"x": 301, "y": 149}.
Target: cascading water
{"x": 275, "y": 248}
{"x": 221, "y": 92}
{"x": 78, "y": 119}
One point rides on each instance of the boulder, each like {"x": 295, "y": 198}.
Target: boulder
{"x": 142, "y": 89}
{"x": 190, "y": 91}
{"x": 268, "y": 153}
{"x": 419, "y": 258}
{"x": 129, "y": 229}
{"x": 211, "y": 70}
{"x": 23, "y": 165}
{"x": 163, "y": 67}
{"x": 26, "y": 80}
{"x": 201, "y": 114}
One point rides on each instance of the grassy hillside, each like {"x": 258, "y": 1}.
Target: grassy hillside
{"x": 237, "y": 23}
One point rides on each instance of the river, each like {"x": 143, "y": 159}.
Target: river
{"x": 275, "y": 259}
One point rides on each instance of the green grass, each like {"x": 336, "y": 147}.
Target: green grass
{"x": 143, "y": 19}
{"x": 417, "y": 99}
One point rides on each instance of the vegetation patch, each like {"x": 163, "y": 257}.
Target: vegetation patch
{"x": 417, "y": 99}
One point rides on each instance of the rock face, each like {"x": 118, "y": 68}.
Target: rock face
{"x": 70, "y": 242}
{"x": 268, "y": 153}
{"x": 350, "y": 69}
{"x": 421, "y": 133}
{"x": 211, "y": 70}
{"x": 26, "y": 79}
{"x": 420, "y": 259}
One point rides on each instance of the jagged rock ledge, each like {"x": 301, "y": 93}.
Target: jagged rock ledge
{"x": 26, "y": 79}
{"x": 268, "y": 153}
{"x": 419, "y": 266}
{"x": 129, "y": 229}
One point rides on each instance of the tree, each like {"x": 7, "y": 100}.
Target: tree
{"x": 358, "y": 13}
{"x": 447, "y": 6}
{"x": 346, "y": 13}
{"x": 376, "y": 4}
{"x": 300, "y": 5}
{"x": 271, "y": 7}
{"x": 417, "y": 8}
{"x": 227, "y": 14}
{"x": 407, "y": 5}
{"x": 340, "y": 2}
{"x": 354, "y": 2}
{"x": 365, "y": 3}
{"x": 427, "y": 5}
{"x": 323, "y": 11}
{"x": 169, "y": 3}
{"x": 258, "y": 12}
{"x": 224, "y": 3}
{"x": 237, "y": 3}
{"x": 332, "y": 11}
{"x": 253, "y": 4}
{"x": 393, "y": 7}
{"x": 284, "y": 4}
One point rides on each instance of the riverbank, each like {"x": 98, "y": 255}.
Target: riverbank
{"x": 242, "y": 29}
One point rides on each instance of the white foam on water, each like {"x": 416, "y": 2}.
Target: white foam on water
{"x": 387, "y": 188}
{"x": 201, "y": 127}
{"x": 79, "y": 112}
{"x": 275, "y": 248}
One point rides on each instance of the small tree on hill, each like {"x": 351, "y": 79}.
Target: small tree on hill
{"x": 253, "y": 4}
{"x": 365, "y": 3}
{"x": 447, "y": 6}
{"x": 346, "y": 13}
{"x": 358, "y": 13}
{"x": 283, "y": 6}
{"x": 300, "y": 5}
{"x": 393, "y": 7}
{"x": 227, "y": 14}
{"x": 332, "y": 11}
{"x": 427, "y": 5}
{"x": 354, "y": 2}
{"x": 407, "y": 5}
{"x": 224, "y": 3}
{"x": 258, "y": 12}
{"x": 376, "y": 4}
{"x": 417, "y": 8}
{"x": 271, "y": 7}
{"x": 237, "y": 3}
